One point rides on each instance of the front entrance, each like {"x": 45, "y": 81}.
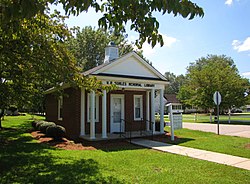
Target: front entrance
{"x": 117, "y": 113}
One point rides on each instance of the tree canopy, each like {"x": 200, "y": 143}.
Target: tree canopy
{"x": 88, "y": 46}
{"x": 33, "y": 57}
{"x": 115, "y": 13}
{"x": 175, "y": 83}
{"x": 210, "y": 74}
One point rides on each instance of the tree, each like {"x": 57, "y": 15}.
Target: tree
{"x": 33, "y": 57}
{"x": 175, "y": 83}
{"x": 115, "y": 13}
{"x": 210, "y": 74}
{"x": 89, "y": 45}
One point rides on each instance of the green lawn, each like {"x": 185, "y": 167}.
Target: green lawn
{"x": 212, "y": 142}
{"x": 238, "y": 119}
{"x": 24, "y": 160}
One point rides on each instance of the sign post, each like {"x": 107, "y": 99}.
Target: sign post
{"x": 171, "y": 120}
{"x": 217, "y": 101}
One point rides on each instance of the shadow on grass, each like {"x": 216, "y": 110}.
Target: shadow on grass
{"x": 111, "y": 145}
{"x": 26, "y": 161}
{"x": 44, "y": 169}
{"x": 124, "y": 144}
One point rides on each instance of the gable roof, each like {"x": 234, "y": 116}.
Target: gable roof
{"x": 129, "y": 65}
{"x": 171, "y": 98}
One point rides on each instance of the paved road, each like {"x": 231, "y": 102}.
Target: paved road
{"x": 232, "y": 130}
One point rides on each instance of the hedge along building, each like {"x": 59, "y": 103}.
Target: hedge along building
{"x": 130, "y": 108}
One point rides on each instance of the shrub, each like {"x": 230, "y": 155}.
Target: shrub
{"x": 45, "y": 125}
{"x": 38, "y": 124}
{"x": 33, "y": 124}
{"x": 56, "y": 131}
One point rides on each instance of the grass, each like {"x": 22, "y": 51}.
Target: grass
{"x": 24, "y": 160}
{"x": 212, "y": 142}
{"x": 236, "y": 119}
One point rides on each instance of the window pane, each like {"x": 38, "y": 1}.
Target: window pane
{"x": 137, "y": 102}
{"x": 138, "y": 107}
{"x": 117, "y": 117}
{"x": 137, "y": 112}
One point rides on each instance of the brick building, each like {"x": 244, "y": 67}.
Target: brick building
{"x": 129, "y": 108}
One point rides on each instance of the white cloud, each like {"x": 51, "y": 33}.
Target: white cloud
{"x": 168, "y": 42}
{"x": 147, "y": 48}
{"x": 246, "y": 74}
{"x": 229, "y": 2}
{"x": 241, "y": 46}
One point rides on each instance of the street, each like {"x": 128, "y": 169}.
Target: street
{"x": 232, "y": 130}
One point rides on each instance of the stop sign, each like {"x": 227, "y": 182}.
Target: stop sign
{"x": 217, "y": 98}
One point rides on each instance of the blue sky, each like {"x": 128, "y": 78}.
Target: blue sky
{"x": 224, "y": 29}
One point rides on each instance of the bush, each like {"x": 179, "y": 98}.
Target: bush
{"x": 38, "y": 124}
{"x": 56, "y": 131}
{"x": 45, "y": 125}
{"x": 33, "y": 124}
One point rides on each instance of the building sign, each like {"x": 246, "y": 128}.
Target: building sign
{"x": 131, "y": 84}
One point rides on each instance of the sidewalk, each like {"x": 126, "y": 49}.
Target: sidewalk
{"x": 220, "y": 158}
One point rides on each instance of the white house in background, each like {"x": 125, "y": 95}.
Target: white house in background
{"x": 248, "y": 108}
{"x": 176, "y": 104}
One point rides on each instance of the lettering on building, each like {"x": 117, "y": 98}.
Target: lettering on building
{"x": 132, "y": 84}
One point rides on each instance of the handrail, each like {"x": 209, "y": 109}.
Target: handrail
{"x": 152, "y": 124}
{"x": 141, "y": 126}
{"x": 130, "y": 129}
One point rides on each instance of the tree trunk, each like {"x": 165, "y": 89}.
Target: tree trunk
{"x": 1, "y": 115}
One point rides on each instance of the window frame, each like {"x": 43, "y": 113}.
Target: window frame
{"x": 96, "y": 107}
{"x": 60, "y": 108}
{"x": 141, "y": 107}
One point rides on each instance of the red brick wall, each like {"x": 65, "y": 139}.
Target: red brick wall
{"x": 71, "y": 111}
{"x": 51, "y": 104}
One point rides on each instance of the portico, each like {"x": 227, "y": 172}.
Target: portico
{"x": 129, "y": 108}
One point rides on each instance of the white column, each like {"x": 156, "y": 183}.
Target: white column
{"x": 161, "y": 111}
{"x": 92, "y": 115}
{"x": 104, "y": 114}
{"x": 82, "y": 132}
{"x": 147, "y": 111}
{"x": 153, "y": 108}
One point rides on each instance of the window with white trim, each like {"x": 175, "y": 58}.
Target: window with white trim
{"x": 96, "y": 108}
{"x": 60, "y": 108}
{"x": 138, "y": 111}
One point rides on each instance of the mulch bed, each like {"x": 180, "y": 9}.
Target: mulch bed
{"x": 63, "y": 144}
{"x": 106, "y": 145}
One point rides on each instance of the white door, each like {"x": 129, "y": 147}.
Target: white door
{"x": 117, "y": 113}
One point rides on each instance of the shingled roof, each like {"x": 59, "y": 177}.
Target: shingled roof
{"x": 171, "y": 98}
